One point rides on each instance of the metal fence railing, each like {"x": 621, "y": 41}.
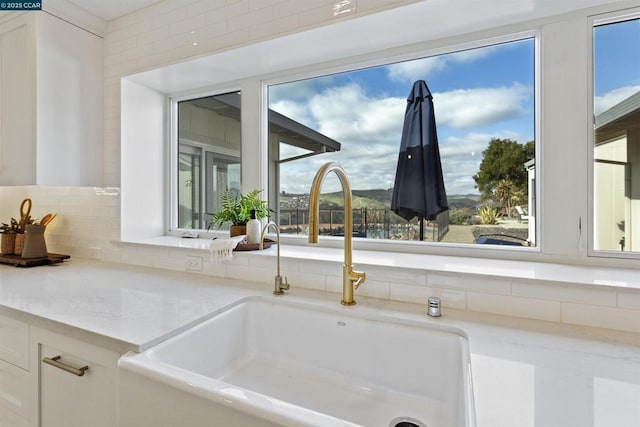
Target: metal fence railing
{"x": 369, "y": 223}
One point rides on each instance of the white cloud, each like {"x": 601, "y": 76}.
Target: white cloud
{"x": 347, "y": 113}
{"x": 461, "y": 157}
{"x": 422, "y": 69}
{"x": 299, "y": 90}
{"x": 471, "y": 55}
{"x": 611, "y": 98}
{"x": 466, "y": 108}
{"x": 370, "y": 129}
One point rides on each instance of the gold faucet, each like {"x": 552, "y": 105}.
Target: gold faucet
{"x": 350, "y": 279}
{"x": 280, "y": 286}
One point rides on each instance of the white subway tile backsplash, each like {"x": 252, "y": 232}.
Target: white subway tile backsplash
{"x": 408, "y": 293}
{"x": 167, "y": 18}
{"x": 261, "y": 4}
{"x": 419, "y": 294}
{"x": 187, "y": 51}
{"x": 469, "y": 283}
{"x": 297, "y": 279}
{"x": 372, "y": 288}
{"x": 148, "y": 62}
{"x": 450, "y": 298}
{"x": 295, "y": 7}
{"x": 569, "y": 293}
{"x": 601, "y": 317}
{"x": 155, "y": 35}
{"x": 227, "y": 12}
{"x": 249, "y": 20}
{"x": 131, "y": 57}
{"x": 262, "y": 262}
{"x": 254, "y": 275}
{"x": 394, "y": 275}
{"x": 279, "y": 26}
{"x": 119, "y": 46}
{"x": 202, "y": 34}
{"x": 233, "y": 38}
{"x": 334, "y": 283}
{"x": 514, "y": 306}
{"x": 212, "y": 268}
{"x": 203, "y": 6}
{"x": 368, "y": 6}
{"x": 629, "y": 299}
{"x": 320, "y": 267}
{"x": 175, "y": 41}
{"x": 316, "y": 15}
{"x": 190, "y": 24}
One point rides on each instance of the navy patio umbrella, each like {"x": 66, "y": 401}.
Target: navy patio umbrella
{"x": 419, "y": 188}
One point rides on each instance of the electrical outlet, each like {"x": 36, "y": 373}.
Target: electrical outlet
{"x": 194, "y": 263}
{"x": 95, "y": 253}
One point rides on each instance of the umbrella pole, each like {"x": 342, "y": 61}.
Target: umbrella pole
{"x": 421, "y": 229}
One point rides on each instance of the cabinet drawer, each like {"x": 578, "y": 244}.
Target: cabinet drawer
{"x": 14, "y": 392}
{"x": 14, "y": 342}
{"x": 71, "y": 395}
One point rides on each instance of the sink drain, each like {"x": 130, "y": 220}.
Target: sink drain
{"x": 406, "y": 422}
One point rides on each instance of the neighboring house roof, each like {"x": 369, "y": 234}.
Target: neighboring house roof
{"x": 617, "y": 119}
{"x": 288, "y": 130}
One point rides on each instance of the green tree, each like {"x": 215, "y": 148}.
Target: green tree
{"x": 503, "y": 160}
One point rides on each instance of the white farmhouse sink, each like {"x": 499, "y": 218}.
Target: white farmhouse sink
{"x": 269, "y": 362}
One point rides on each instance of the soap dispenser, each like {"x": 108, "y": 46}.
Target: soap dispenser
{"x": 253, "y": 229}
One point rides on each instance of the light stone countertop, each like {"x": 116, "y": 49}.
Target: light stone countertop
{"x": 525, "y": 372}
{"x": 129, "y": 308}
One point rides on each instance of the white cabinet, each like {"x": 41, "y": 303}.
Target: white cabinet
{"x": 52, "y": 380}
{"x": 15, "y": 399}
{"x": 14, "y": 342}
{"x": 14, "y": 395}
{"x": 51, "y": 102}
{"x": 17, "y": 108}
{"x": 77, "y": 381}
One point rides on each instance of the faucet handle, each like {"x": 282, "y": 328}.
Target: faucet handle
{"x": 360, "y": 277}
{"x": 280, "y": 287}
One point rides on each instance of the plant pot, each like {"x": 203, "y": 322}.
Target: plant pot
{"x": 19, "y": 244}
{"x": 34, "y": 244}
{"x": 237, "y": 230}
{"x": 8, "y": 243}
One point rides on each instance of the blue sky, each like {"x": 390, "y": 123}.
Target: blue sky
{"x": 478, "y": 94}
{"x": 616, "y": 63}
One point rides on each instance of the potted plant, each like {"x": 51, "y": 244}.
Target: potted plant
{"x": 8, "y": 238}
{"x": 236, "y": 211}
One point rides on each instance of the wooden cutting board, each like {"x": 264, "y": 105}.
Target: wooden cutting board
{"x": 18, "y": 261}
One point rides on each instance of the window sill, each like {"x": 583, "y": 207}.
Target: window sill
{"x": 447, "y": 264}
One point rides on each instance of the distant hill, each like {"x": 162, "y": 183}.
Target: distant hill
{"x": 373, "y": 199}
{"x": 463, "y": 200}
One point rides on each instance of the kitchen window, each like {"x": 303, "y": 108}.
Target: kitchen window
{"x": 616, "y": 136}
{"x": 485, "y": 116}
{"x": 209, "y": 160}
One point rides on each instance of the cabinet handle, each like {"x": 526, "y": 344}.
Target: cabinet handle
{"x": 55, "y": 361}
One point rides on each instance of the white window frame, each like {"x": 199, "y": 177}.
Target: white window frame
{"x": 593, "y": 22}
{"x": 172, "y": 156}
{"x": 414, "y": 246}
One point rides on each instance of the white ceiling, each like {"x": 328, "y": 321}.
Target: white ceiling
{"x": 111, "y": 9}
